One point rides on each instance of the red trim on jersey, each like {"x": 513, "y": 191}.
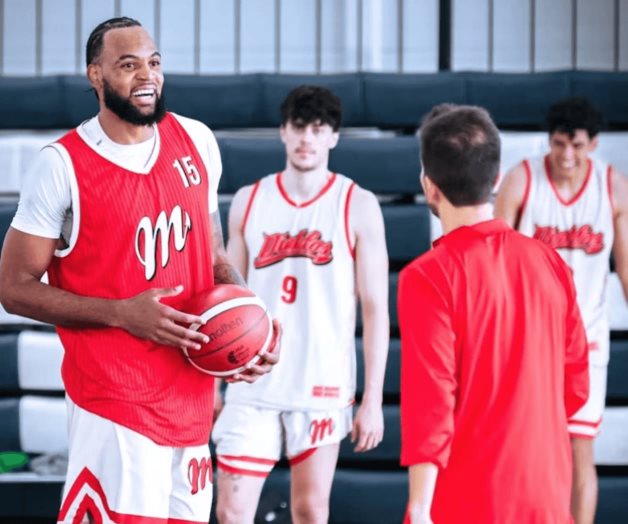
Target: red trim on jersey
{"x": 347, "y": 228}
{"x": 585, "y": 423}
{"x": 582, "y": 436}
{"x": 574, "y": 199}
{"x": 526, "y": 193}
{"x": 297, "y": 459}
{"x": 250, "y": 204}
{"x": 244, "y": 458}
{"x": 287, "y": 198}
{"x": 240, "y": 471}
{"x": 609, "y": 186}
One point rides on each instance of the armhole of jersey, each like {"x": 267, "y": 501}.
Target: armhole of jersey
{"x": 609, "y": 186}
{"x": 249, "y": 204}
{"x": 526, "y": 193}
{"x": 347, "y": 225}
{"x": 76, "y": 206}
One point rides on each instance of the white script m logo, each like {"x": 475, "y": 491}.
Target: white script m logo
{"x": 163, "y": 229}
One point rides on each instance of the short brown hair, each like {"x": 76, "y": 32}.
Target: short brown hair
{"x": 460, "y": 151}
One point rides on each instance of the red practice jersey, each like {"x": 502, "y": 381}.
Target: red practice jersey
{"x": 137, "y": 232}
{"x": 494, "y": 360}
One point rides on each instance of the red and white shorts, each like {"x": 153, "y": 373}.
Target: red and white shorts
{"x": 249, "y": 439}
{"x": 117, "y": 475}
{"x": 586, "y": 422}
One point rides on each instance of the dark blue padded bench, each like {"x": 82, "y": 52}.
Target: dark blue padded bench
{"x": 384, "y": 100}
{"x": 387, "y": 166}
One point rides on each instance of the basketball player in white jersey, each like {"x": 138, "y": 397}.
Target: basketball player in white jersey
{"x": 310, "y": 243}
{"x": 578, "y": 205}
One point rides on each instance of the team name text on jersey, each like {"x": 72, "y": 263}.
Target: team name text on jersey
{"x": 308, "y": 244}
{"x": 581, "y": 237}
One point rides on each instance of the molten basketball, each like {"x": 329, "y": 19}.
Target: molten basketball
{"x": 238, "y": 326}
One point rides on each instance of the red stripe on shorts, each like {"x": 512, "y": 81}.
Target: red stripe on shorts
{"x": 87, "y": 478}
{"x": 244, "y": 458}
{"x": 297, "y": 459}
{"x": 240, "y": 471}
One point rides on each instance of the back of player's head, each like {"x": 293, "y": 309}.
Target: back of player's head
{"x": 460, "y": 150}
{"x": 571, "y": 114}
{"x": 309, "y": 104}
{"x": 93, "y": 48}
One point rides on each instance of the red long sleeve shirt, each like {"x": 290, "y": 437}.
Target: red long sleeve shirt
{"x": 494, "y": 360}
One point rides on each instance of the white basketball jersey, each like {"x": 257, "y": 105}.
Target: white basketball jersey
{"x": 581, "y": 230}
{"x": 301, "y": 263}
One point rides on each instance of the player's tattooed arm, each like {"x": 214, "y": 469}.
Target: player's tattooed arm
{"x": 224, "y": 271}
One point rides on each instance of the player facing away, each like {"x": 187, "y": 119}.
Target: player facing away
{"x": 310, "y": 242}
{"x": 579, "y": 206}
{"x": 122, "y": 214}
{"x": 494, "y": 355}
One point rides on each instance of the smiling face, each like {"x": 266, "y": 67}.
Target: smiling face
{"x": 127, "y": 76}
{"x": 308, "y": 145}
{"x": 569, "y": 155}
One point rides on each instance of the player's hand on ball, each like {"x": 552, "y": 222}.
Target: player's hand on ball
{"x": 368, "y": 426}
{"x": 146, "y": 317}
{"x": 266, "y": 363}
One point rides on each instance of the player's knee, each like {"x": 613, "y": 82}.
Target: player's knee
{"x": 229, "y": 513}
{"x": 310, "y": 509}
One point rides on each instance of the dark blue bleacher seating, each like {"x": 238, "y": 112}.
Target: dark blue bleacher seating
{"x": 617, "y": 386}
{"x": 520, "y": 101}
{"x": 9, "y": 382}
{"x": 369, "y": 99}
{"x": 348, "y": 87}
{"x": 219, "y": 101}
{"x": 245, "y": 160}
{"x": 7, "y": 211}
{"x": 32, "y": 103}
{"x": 394, "y": 100}
{"x": 387, "y": 166}
{"x": 608, "y": 93}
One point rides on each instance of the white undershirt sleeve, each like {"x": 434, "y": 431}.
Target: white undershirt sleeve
{"x": 45, "y": 197}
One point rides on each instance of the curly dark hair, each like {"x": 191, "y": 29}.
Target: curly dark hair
{"x": 307, "y": 104}
{"x": 93, "y": 48}
{"x": 573, "y": 113}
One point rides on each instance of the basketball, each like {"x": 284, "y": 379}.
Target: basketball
{"x": 238, "y": 326}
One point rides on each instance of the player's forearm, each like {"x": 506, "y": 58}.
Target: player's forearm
{"x": 422, "y": 479}
{"x": 45, "y": 303}
{"x": 226, "y": 273}
{"x": 375, "y": 338}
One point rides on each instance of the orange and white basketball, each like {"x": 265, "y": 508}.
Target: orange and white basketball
{"x": 238, "y": 326}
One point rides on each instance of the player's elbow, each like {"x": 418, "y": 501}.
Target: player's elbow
{"x": 8, "y": 297}
{"x": 11, "y": 294}
{"x": 374, "y": 310}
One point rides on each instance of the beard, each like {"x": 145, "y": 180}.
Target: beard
{"x": 125, "y": 110}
